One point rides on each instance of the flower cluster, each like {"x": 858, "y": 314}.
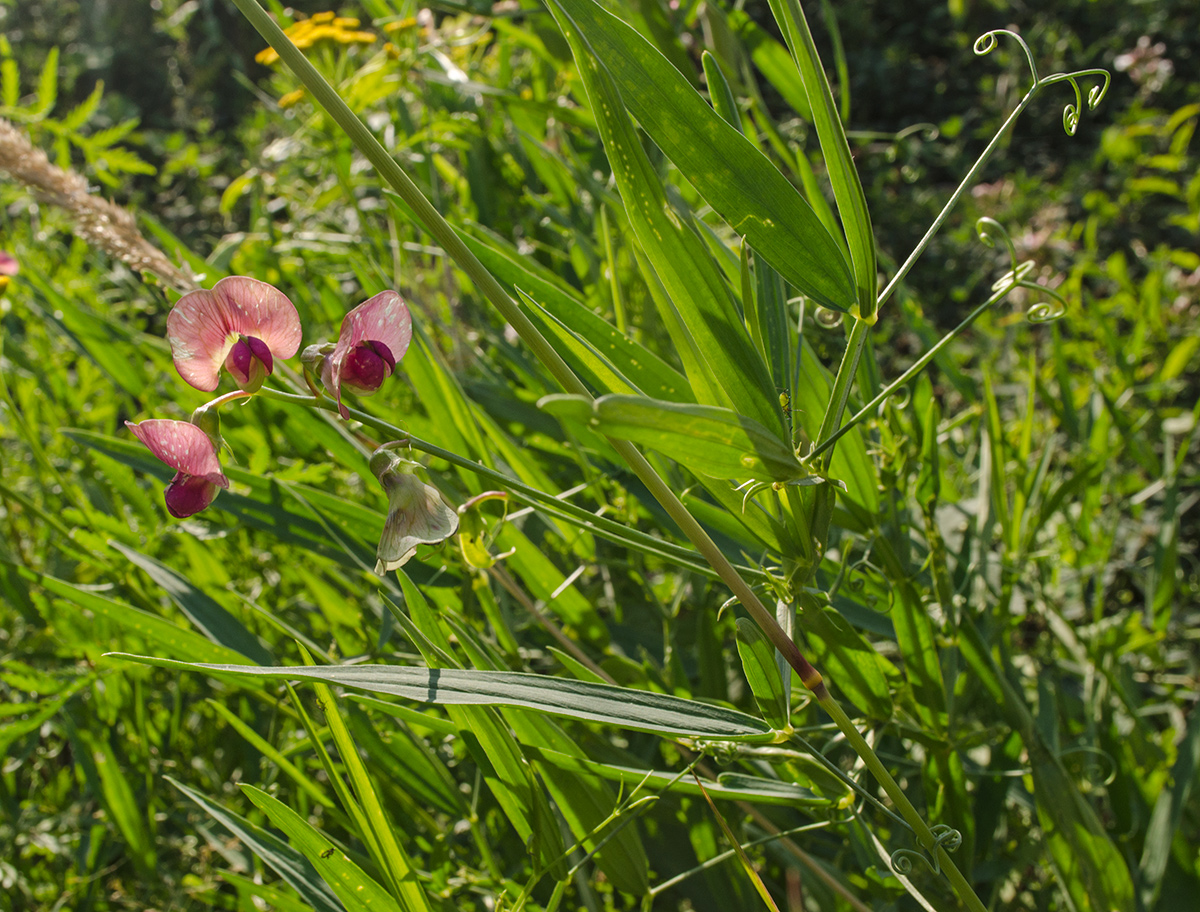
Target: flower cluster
{"x": 245, "y": 327}
{"x": 320, "y": 27}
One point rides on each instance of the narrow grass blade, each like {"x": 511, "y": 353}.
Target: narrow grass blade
{"x": 285, "y": 861}
{"x": 1168, "y": 813}
{"x": 508, "y": 775}
{"x": 175, "y": 640}
{"x": 743, "y": 858}
{"x": 216, "y": 623}
{"x": 391, "y": 858}
{"x": 357, "y": 891}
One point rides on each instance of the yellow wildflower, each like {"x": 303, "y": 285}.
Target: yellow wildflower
{"x": 291, "y": 98}
{"x": 307, "y": 32}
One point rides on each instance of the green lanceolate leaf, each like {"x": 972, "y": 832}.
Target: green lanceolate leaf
{"x": 714, "y": 345}
{"x": 719, "y": 92}
{"x": 767, "y": 319}
{"x": 772, "y": 60}
{"x": 639, "y": 710}
{"x": 357, "y": 891}
{"x": 758, "y": 662}
{"x": 285, "y": 861}
{"x": 728, "y": 170}
{"x": 589, "y": 363}
{"x": 709, "y": 440}
{"x": 847, "y": 189}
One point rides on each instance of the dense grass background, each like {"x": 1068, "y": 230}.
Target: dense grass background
{"x": 1065, "y": 475}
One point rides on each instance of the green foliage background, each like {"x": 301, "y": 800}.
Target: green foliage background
{"x": 1065, "y": 477}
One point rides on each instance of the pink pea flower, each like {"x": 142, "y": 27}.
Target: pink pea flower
{"x": 9, "y": 267}
{"x": 242, "y": 323}
{"x": 416, "y": 512}
{"x": 374, "y": 336}
{"x": 192, "y": 454}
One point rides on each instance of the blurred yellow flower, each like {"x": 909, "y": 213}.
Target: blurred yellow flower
{"x": 320, "y": 26}
{"x": 291, "y": 98}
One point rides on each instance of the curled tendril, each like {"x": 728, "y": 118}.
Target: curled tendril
{"x": 989, "y": 231}
{"x": 1096, "y": 772}
{"x": 1095, "y": 94}
{"x": 947, "y": 837}
{"x": 751, "y": 488}
{"x": 902, "y": 860}
{"x": 829, "y": 319}
{"x": 929, "y": 132}
{"x": 1047, "y": 311}
{"x": 986, "y": 43}
{"x": 944, "y": 837}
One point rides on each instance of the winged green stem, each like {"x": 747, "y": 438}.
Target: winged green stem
{"x": 729, "y": 853}
{"x": 925, "y": 836}
{"x": 486, "y": 283}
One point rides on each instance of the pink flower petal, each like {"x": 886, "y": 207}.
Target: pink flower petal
{"x": 181, "y": 445}
{"x": 8, "y": 264}
{"x": 204, "y": 325}
{"x": 383, "y": 319}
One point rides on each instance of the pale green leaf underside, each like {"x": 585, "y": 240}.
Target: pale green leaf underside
{"x": 729, "y": 786}
{"x": 709, "y": 440}
{"x": 634, "y": 709}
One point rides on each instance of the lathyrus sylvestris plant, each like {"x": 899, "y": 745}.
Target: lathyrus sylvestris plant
{"x": 750, "y": 415}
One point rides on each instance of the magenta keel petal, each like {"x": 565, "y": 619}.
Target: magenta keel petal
{"x": 187, "y": 495}
{"x": 374, "y": 336}
{"x": 191, "y": 453}
{"x": 365, "y": 369}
